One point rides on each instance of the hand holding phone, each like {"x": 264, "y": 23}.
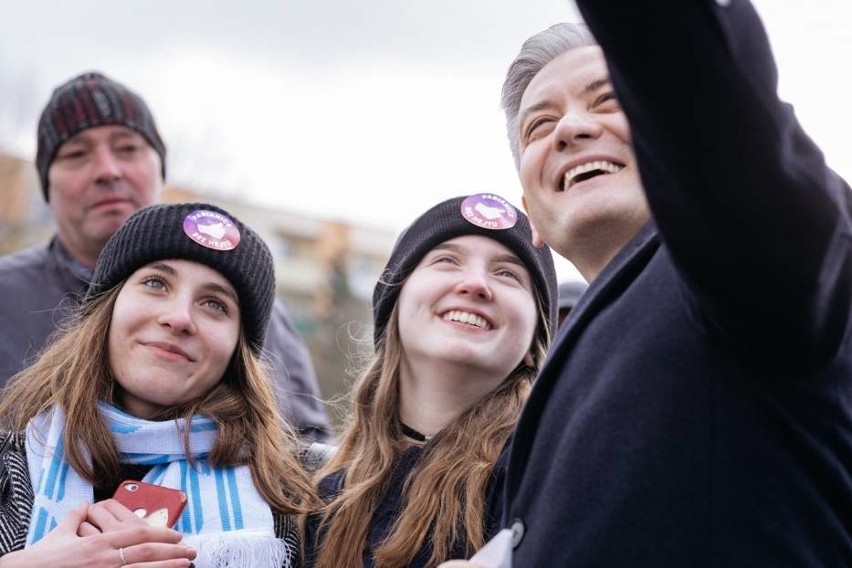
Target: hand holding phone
{"x": 159, "y": 506}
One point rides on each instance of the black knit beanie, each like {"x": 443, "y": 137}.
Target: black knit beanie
{"x": 482, "y": 214}
{"x": 202, "y": 233}
{"x": 86, "y": 101}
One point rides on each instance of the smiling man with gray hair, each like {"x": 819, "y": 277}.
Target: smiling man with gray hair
{"x": 696, "y": 408}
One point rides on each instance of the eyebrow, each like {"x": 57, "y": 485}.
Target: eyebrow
{"x": 595, "y": 85}
{"x": 211, "y": 286}
{"x": 506, "y": 257}
{"x": 214, "y": 287}
{"x": 78, "y": 139}
{"x": 123, "y": 133}
{"x": 511, "y": 258}
{"x": 586, "y": 90}
{"x": 541, "y": 105}
{"x": 117, "y": 134}
{"x": 163, "y": 267}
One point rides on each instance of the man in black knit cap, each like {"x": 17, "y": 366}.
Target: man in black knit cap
{"x": 100, "y": 159}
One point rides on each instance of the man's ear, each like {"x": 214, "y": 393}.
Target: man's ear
{"x": 536, "y": 239}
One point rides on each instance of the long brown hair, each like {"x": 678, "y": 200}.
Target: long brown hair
{"x": 445, "y": 495}
{"x": 74, "y": 374}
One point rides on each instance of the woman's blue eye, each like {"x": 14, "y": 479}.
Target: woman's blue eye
{"x": 216, "y": 304}
{"x": 438, "y": 259}
{"x": 510, "y": 273}
{"x": 154, "y": 282}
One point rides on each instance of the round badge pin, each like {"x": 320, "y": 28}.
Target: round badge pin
{"x": 211, "y": 229}
{"x": 489, "y": 211}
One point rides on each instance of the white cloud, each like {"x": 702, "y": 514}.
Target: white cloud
{"x": 369, "y": 111}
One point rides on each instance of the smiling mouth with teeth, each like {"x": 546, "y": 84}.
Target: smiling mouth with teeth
{"x": 468, "y": 318}
{"x": 589, "y": 170}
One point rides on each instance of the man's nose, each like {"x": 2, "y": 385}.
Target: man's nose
{"x": 574, "y": 128}
{"x": 106, "y": 164}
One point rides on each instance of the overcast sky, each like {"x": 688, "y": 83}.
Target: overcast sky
{"x": 368, "y": 111}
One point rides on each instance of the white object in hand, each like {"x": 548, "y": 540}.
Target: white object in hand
{"x": 497, "y": 552}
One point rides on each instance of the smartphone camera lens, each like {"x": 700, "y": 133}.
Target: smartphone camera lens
{"x": 131, "y": 486}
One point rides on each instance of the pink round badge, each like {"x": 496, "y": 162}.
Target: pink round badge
{"x": 489, "y": 211}
{"x": 211, "y": 229}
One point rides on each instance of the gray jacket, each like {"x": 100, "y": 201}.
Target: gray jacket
{"x": 40, "y": 286}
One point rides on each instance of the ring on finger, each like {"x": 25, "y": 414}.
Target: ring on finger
{"x": 122, "y": 557}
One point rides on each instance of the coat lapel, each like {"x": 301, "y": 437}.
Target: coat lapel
{"x": 618, "y": 273}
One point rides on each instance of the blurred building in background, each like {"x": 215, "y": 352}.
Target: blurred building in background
{"x": 24, "y": 218}
{"x": 325, "y": 268}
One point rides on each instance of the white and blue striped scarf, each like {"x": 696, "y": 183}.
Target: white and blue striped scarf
{"x": 226, "y": 520}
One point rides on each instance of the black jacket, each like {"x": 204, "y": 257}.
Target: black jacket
{"x": 391, "y": 505}
{"x": 696, "y": 410}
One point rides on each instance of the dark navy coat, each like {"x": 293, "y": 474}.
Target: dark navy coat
{"x": 696, "y": 409}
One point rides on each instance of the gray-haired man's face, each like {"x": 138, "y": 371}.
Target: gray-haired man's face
{"x": 577, "y": 165}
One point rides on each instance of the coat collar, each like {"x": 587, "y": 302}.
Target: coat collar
{"x": 630, "y": 260}
{"x": 633, "y": 256}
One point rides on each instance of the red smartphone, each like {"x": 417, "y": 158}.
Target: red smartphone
{"x": 159, "y": 506}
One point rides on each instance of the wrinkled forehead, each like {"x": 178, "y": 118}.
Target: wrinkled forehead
{"x": 572, "y": 72}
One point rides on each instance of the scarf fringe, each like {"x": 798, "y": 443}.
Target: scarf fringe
{"x": 238, "y": 548}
